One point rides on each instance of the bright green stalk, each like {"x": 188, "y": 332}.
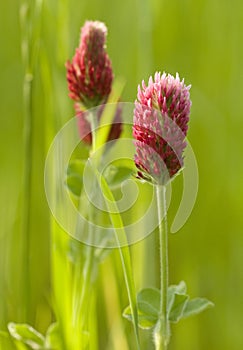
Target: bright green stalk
{"x": 83, "y": 277}
{"x": 117, "y": 223}
{"x": 27, "y": 189}
{"x": 162, "y": 330}
{"x": 115, "y": 217}
{"x": 27, "y": 98}
{"x": 30, "y": 28}
{"x": 87, "y": 272}
{"x": 82, "y": 282}
{"x": 61, "y": 277}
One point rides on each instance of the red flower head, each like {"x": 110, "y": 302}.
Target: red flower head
{"x": 89, "y": 75}
{"x": 161, "y": 118}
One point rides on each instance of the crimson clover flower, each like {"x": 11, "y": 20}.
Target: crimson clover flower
{"x": 89, "y": 75}
{"x": 161, "y": 117}
{"x": 90, "y": 78}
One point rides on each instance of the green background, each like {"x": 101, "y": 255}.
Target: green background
{"x": 202, "y": 40}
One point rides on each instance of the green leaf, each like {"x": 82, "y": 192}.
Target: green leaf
{"x": 74, "y": 180}
{"x": 53, "y": 338}
{"x": 74, "y": 184}
{"x": 145, "y": 321}
{"x": 178, "y": 288}
{"x": 175, "y": 289}
{"x": 149, "y": 304}
{"x": 119, "y": 171}
{"x": 148, "y": 300}
{"x": 76, "y": 166}
{"x": 195, "y": 306}
{"x": 178, "y": 306}
{"x": 27, "y": 335}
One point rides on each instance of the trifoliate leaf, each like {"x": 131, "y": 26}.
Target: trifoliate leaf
{"x": 27, "y": 335}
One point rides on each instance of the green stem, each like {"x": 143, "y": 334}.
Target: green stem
{"x": 117, "y": 223}
{"x": 29, "y": 22}
{"x": 162, "y": 339}
{"x": 124, "y": 251}
{"x": 82, "y": 285}
{"x": 86, "y": 281}
{"x": 27, "y": 139}
{"x": 92, "y": 118}
{"x": 82, "y": 298}
{"x": 27, "y": 189}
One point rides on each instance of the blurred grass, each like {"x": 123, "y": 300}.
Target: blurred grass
{"x": 202, "y": 41}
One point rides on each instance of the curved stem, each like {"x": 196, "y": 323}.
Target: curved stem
{"x": 116, "y": 221}
{"x": 164, "y": 326}
{"x": 124, "y": 251}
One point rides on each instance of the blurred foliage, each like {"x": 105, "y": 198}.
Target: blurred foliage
{"x": 202, "y": 40}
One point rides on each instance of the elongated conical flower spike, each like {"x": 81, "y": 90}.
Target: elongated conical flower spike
{"x": 161, "y": 117}
{"x": 90, "y": 78}
{"x": 89, "y": 75}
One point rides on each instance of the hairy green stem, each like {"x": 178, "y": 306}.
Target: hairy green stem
{"x": 162, "y": 331}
